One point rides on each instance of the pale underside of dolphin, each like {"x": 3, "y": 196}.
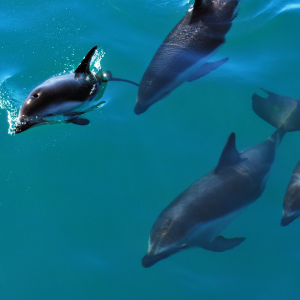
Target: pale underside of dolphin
{"x": 184, "y": 54}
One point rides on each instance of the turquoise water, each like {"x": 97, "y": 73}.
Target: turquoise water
{"x": 78, "y": 202}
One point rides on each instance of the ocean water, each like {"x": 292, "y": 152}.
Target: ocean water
{"x": 78, "y": 202}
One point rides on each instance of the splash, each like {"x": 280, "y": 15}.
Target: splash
{"x": 96, "y": 61}
{"x": 95, "y": 69}
{"x": 9, "y": 101}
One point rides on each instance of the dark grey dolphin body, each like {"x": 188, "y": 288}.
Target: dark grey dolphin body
{"x": 199, "y": 214}
{"x": 60, "y": 95}
{"x": 184, "y": 53}
{"x": 291, "y": 202}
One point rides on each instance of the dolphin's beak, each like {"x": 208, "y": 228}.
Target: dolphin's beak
{"x": 139, "y": 109}
{"x": 23, "y": 126}
{"x": 151, "y": 259}
{"x": 286, "y": 220}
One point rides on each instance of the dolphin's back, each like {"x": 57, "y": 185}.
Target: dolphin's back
{"x": 202, "y": 30}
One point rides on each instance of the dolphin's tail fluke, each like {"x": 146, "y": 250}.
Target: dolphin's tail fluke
{"x": 280, "y": 111}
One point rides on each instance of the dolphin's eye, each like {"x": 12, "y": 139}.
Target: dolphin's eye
{"x": 36, "y": 95}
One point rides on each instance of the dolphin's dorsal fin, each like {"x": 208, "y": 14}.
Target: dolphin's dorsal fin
{"x": 230, "y": 156}
{"x": 84, "y": 66}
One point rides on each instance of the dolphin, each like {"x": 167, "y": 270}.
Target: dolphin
{"x": 283, "y": 111}
{"x": 184, "y": 53}
{"x": 199, "y": 214}
{"x": 291, "y": 202}
{"x": 61, "y": 95}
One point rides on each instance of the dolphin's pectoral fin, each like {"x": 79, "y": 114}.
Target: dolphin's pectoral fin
{"x": 230, "y": 156}
{"x": 207, "y": 68}
{"x": 79, "y": 121}
{"x": 220, "y": 244}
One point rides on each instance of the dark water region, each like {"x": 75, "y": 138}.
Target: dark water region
{"x": 78, "y": 202}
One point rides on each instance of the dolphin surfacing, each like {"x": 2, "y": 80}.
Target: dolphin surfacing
{"x": 61, "y": 95}
{"x": 184, "y": 53}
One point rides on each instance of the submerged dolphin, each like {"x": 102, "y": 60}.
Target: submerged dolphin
{"x": 184, "y": 53}
{"x": 60, "y": 95}
{"x": 291, "y": 202}
{"x": 284, "y": 112}
{"x": 199, "y": 214}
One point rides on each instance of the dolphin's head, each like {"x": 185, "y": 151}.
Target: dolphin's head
{"x": 154, "y": 87}
{"x": 143, "y": 101}
{"x": 287, "y": 219}
{"x": 43, "y": 101}
{"x": 33, "y": 110}
{"x": 167, "y": 237}
{"x": 290, "y": 213}
{"x": 155, "y": 255}
{"x": 150, "y": 259}
{"x": 149, "y": 94}
{"x": 24, "y": 125}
